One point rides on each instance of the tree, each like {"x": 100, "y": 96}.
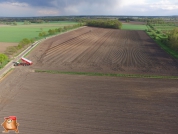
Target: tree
{"x": 65, "y": 28}
{"x": 14, "y": 23}
{"x": 173, "y": 39}
{"x": 105, "y": 23}
{"x": 127, "y": 20}
{"x": 56, "y": 30}
{"x": 40, "y": 35}
{"x": 50, "y": 31}
{"x": 3, "y": 58}
{"x": 27, "y": 22}
{"x": 59, "y": 29}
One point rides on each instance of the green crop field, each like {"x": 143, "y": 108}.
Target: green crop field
{"x": 164, "y": 28}
{"x": 133, "y": 27}
{"x": 9, "y": 33}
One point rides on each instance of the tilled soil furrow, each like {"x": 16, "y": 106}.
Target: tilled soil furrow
{"x": 54, "y": 49}
{"x": 106, "y": 50}
{"x": 88, "y": 52}
{"x": 70, "y": 48}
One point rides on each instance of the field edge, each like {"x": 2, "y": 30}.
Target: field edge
{"x": 108, "y": 74}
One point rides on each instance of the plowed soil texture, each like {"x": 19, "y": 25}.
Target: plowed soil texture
{"x": 106, "y": 51}
{"x": 80, "y": 104}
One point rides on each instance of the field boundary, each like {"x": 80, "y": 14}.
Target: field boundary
{"x": 108, "y": 74}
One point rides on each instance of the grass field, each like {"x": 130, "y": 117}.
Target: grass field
{"x": 11, "y": 33}
{"x": 164, "y": 27}
{"x": 133, "y": 27}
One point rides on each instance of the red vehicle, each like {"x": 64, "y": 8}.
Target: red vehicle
{"x": 25, "y": 62}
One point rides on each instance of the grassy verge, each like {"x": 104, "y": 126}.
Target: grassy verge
{"x": 31, "y": 50}
{"x": 163, "y": 46}
{"x": 4, "y": 64}
{"x": 110, "y": 75}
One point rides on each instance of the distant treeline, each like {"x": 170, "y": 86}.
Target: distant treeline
{"x": 35, "y": 19}
{"x": 12, "y": 22}
{"x": 153, "y": 22}
{"x": 45, "y": 19}
{"x": 104, "y": 23}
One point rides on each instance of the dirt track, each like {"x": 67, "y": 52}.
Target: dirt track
{"x": 104, "y": 50}
{"x": 65, "y": 104}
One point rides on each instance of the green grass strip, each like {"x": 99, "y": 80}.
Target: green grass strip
{"x": 110, "y": 75}
{"x": 133, "y": 27}
{"x": 166, "y": 48}
{"x": 4, "y": 64}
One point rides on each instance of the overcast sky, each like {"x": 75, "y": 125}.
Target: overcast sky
{"x": 26, "y": 8}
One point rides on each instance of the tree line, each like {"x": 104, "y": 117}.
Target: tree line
{"x": 58, "y": 30}
{"x": 105, "y": 23}
{"x": 14, "y": 49}
{"x": 3, "y": 60}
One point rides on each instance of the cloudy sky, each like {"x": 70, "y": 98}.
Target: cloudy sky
{"x": 27, "y": 8}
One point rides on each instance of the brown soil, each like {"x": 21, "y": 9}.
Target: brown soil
{"x": 56, "y": 103}
{"x": 4, "y": 45}
{"x": 104, "y": 50}
{"x": 65, "y": 104}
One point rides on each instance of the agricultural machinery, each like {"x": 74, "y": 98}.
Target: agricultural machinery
{"x": 25, "y": 62}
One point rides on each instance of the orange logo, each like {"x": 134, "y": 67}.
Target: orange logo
{"x": 10, "y": 123}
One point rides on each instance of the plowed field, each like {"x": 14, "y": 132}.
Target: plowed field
{"x": 80, "y": 104}
{"x": 104, "y": 50}
{"x": 72, "y": 104}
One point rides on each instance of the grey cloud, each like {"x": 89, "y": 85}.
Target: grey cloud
{"x": 58, "y": 7}
{"x": 38, "y": 3}
{"x": 62, "y": 3}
